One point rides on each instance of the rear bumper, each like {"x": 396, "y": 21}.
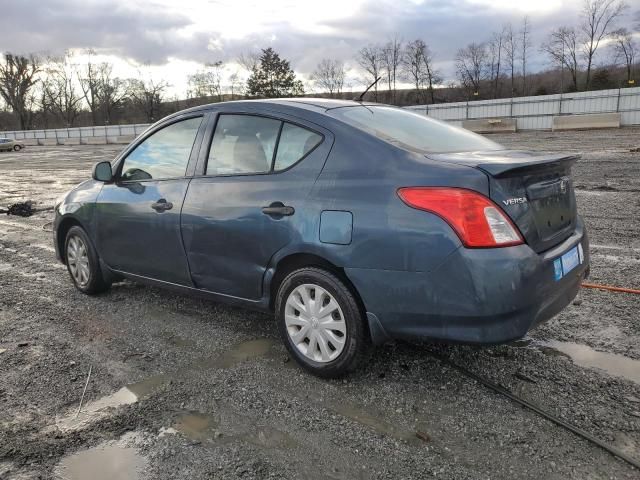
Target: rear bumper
{"x": 475, "y": 296}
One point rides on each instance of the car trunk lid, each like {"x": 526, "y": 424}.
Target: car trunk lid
{"x": 534, "y": 189}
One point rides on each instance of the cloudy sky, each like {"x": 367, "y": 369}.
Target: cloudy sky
{"x": 175, "y": 37}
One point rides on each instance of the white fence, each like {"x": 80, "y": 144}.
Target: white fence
{"x": 530, "y": 113}
{"x": 536, "y": 113}
{"x": 106, "y": 134}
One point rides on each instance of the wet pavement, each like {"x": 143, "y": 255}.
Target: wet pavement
{"x": 183, "y": 388}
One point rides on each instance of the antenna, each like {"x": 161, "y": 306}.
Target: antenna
{"x": 360, "y": 98}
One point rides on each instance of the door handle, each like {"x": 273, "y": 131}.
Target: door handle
{"x": 162, "y": 205}
{"x": 278, "y": 209}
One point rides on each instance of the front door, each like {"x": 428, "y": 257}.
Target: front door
{"x": 250, "y": 201}
{"x": 138, "y": 215}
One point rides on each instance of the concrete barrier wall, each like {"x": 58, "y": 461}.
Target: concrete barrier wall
{"x": 586, "y": 122}
{"x": 78, "y": 136}
{"x": 538, "y": 113}
{"x": 491, "y": 125}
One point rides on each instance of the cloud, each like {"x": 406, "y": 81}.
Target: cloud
{"x": 192, "y": 30}
{"x": 144, "y": 34}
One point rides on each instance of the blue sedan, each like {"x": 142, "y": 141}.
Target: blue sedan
{"x": 354, "y": 223}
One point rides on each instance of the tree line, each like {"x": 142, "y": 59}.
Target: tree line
{"x": 56, "y": 91}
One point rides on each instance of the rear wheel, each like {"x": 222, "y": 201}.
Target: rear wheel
{"x": 321, "y": 323}
{"x": 82, "y": 262}
{"x": 16, "y": 148}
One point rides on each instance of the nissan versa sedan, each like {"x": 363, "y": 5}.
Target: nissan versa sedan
{"x": 354, "y": 223}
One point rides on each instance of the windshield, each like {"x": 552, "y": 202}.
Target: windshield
{"x": 412, "y": 131}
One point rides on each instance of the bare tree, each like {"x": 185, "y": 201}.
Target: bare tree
{"x": 101, "y": 91}
{"x": 112, "y": 91}
{"x": 329, "y": 75}
{"x": 598, "y": 21}
{"x": 496, "y": 46}
{"x": 370, "y": 59}
{"x": 235, "y": 85}
{"x": 525, "y": 47}
{"x": 562, "y": 47}
{"x": 207, "y": 82}
{"x": 88, "y": 79}
{"x": 391, "y": 58}
{"x": 18, "y": 75}
{"x": 249, "y": 60}
{"x": 417, "y": 66}
{"x": 471, "y": 65}
{"x": 625, "y": 49}
{"x": 59, "y": 88}
{"x": 148, "y": 96}
{"x": 510, "y": 54}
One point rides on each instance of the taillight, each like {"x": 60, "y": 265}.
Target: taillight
{"x": 478, "y": 221}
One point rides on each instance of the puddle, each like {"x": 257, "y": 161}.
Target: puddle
{"x": 107, "y": 461}
{"x": 200, "y": 426}
{"x": 178, "y": 341}
{"x": 375, "y": 422}
{"x": 240, "y": 353}
{"x": 196, "y": 426}
{"x": 146, "y": 387}
{"x": 269, "y": 437}
{"x": 98, "y": 409}
{"x": 584, "y": 356}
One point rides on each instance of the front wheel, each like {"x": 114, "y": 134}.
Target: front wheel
{"x": 321, "y": 323}
{"x": 16, "y": 148}
{"x": 82, "y": 262}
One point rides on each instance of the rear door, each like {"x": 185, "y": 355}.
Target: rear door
{"x": 138, "y": 215}
{"x": 250, "y": 199}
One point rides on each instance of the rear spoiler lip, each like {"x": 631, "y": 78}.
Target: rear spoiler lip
{"x": 506, "y": 162}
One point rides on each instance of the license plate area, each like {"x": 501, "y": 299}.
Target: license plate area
{"x": 568, "y": 261}
{"x": 552, "y": 206}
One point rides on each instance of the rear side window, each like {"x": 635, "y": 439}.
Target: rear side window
{"x": 245, "y": 144}
{"x": 242, "y": 144}
{"x": 413, "y": 131}
{"x": 295, "y": 143}
{"x": 164, "y": 154}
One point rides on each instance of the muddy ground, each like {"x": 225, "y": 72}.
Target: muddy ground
{"x": 183, "y": 388}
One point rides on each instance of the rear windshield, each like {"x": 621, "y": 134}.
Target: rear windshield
{"x": 412, "y": 131}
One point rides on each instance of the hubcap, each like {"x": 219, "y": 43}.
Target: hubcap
{"x": 315, "y": 323}
{"x": 78, "y": 260}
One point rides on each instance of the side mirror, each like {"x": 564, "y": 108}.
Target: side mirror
{"x": 102, "y": 172}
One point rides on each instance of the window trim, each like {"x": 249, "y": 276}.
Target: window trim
{"x": 275, "y": 150}
{"x": 121, "y": 161}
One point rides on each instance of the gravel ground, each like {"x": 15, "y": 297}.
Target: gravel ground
{"x": 183, "y": 388}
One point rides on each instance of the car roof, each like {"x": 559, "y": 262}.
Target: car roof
{"x": 320, "y": 103}
{"x": 315, "y": 104}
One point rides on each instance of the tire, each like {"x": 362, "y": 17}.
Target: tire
{"x": 336, "y": 338}
{"x": 17, "y": 148}
{"x": 82, "y": 262}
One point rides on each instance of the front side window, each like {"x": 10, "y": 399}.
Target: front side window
{"x": 164, "y": 154}
{"x": 412, "y": 131}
